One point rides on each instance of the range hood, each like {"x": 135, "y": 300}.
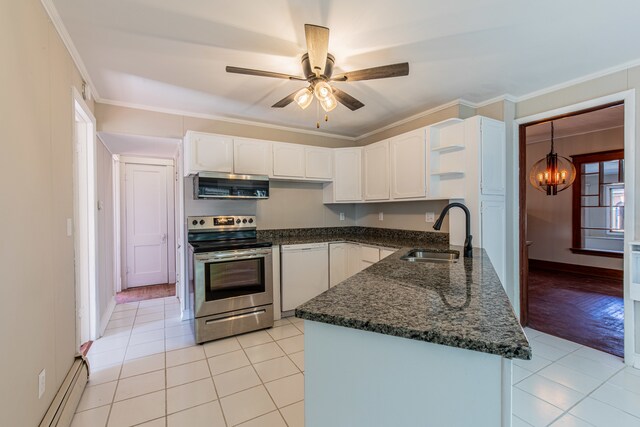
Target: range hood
{"x": 216, "y": 185}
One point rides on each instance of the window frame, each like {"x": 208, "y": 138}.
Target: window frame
{"x": 576, "y": 225}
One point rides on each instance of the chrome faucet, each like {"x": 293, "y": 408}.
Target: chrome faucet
{"x": 468, "y": 249}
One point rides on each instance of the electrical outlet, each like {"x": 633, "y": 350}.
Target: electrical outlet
{"x": 380, "y": 216}
{"x": 41, "y": 383}
{"x": 341, "y": 216}
{"x": 430, "y": 217}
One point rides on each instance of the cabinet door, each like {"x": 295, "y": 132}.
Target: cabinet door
{"x": 493, "y": 234}
{"x": 319, "y": 163}
{"x": 252, "y": 157}
{"x": 376, "y": 171}
{"x": 288, "y": 160}
{"x": 493, "y": 157}
{"x": 354, "y": 259}
{"x": 408, "y": 165}
{"x": 348, "y": 177}
{"x": 208, "y": 152}
{"x": 337, "y": 263}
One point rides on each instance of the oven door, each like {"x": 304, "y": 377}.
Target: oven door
{"x": 232, "y": 280}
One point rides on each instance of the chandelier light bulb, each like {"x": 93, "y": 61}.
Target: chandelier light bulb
{"x": 322, "y": 90}
{"x": 303, "y": 97}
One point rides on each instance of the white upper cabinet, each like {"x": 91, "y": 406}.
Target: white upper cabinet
{"x": 493, "y": 157}
{"x": 318, "y": 163}
{"x": 288, "y": 160}
{"x": 408, "y": 165}
{"x": 252, "y": 157}
{"x": 347, "y": 180}
{"x": 207, "y": 152}
{"x": 376, "y": 171}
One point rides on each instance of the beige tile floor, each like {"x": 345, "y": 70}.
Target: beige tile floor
{"x": 148, "y": 371}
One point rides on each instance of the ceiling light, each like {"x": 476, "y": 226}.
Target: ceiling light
{"x": 303, "y": 97}
{"x": 553, "y": 173}
{"x": 322, "y": 90}
{"x": 329, "y": 103}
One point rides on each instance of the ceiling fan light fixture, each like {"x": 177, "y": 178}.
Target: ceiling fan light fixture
{"x": 322, "y": 90}
{"x": 329, "y": 103}
{"x": 304, "y": 97}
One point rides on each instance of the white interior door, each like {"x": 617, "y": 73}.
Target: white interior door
{"x": 146, "y": 225}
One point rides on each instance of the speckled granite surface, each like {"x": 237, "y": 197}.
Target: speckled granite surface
{"x": 460, "y": 305}
{"x": 391, "y": 238}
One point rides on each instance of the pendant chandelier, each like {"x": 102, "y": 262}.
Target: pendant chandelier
{"x": 552, "y": 174}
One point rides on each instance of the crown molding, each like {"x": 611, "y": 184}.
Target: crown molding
{"x": 224, "y": 119}
{"x": 576, "y": 134}
{"x": 56, "y": 20}
{"x": 583, "y": 79}
{"x": 415, "y": 117}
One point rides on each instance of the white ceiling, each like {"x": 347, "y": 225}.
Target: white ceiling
{"x": 593, "y": 121}
{"x": 137, "y": 145}
{"x": 172, "y": 54}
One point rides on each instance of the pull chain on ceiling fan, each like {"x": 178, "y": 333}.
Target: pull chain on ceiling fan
{"x": 317, "y": 67}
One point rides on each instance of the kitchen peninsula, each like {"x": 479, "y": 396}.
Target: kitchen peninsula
{"x": 412, "y": 344}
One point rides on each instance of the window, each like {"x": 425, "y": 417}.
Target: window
{"x": 598, "y": 204}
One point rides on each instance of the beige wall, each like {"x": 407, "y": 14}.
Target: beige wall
{"x": 549, "y": 218}
{"x": 401, "y": 215}
{"x": 37, "y": 312}
{"x": 105, "y": 231}
{"x": 149, "y": 123}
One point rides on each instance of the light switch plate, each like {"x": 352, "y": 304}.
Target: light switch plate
{"x": 41, "y": 383}
{"x": 341, "y": 216}
{"x": 380, "y": 216}
{"x": 430, "y": 217}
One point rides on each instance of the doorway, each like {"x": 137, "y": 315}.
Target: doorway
{"x": 573, "y": 243}
{"x": 147, "y": 229}
{"x": 84, "y": 223}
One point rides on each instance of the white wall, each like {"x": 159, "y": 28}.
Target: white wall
{"x": 37, "y": 310}
{"x": 105, "y": 291}
{"x": 549, "y": 218}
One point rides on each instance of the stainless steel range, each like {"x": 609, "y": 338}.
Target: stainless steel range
{"x": 232, "y": 274}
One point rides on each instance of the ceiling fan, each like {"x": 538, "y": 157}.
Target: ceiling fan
{"x": 317, "y": 66}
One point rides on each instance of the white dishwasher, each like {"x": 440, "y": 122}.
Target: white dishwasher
{"x": 304, "y": 273}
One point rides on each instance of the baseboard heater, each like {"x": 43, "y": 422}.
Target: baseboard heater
{"x": 64, "y": 404}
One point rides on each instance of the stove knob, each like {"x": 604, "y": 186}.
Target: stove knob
{"x": 244, "y": 221}
{"x": 202, "y": 222}
{"x": 238, "y": 221}
{"x": 194, "y": 222}
{"x": 250, "y": 220}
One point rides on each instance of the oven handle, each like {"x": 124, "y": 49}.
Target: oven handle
{"x": 237, "y": 316}
{"x": 234, "y": 256}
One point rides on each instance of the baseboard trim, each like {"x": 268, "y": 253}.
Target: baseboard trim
{"x": 578, "y": 269}
{"x": 107, "y": 315}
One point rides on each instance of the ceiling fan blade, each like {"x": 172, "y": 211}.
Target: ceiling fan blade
{"x": 347, "y": 100}
{"x": 285, "y": 101}
{"x": 383, "y": 72}
{"x": 252, "y": 72}
{"x": 317, "y": 46}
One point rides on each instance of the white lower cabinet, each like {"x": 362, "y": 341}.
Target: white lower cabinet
{"x": 385, "y": 252}
{"x": 304, "y": 273}
{"x": 369, "y": 255}
{"x": 338, "y": 268}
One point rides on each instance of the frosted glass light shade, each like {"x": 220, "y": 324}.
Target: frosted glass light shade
{"x": 329, "y": 103}
{"x": 303, "y": 97}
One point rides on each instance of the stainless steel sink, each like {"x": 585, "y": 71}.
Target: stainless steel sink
{"x": 426, "y": 255}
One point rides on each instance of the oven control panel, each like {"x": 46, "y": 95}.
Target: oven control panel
{"x": 212, "y": 223}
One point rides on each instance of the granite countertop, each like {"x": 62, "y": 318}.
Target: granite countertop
{"x": 460, "y": 305}
{"x": 389, "y": 238}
